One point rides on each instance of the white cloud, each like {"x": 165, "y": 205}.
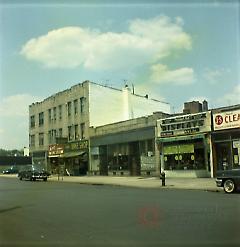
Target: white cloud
{"x": 161, "y": 74}
{"x": 1, "y": 131}
{"x": 16, "y": 105}
{"x": 215, "y": 76}
{"x": 233, "y": 97}
{"x": 146, "y": 41}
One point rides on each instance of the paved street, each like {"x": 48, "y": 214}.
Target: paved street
{"x": 71, "y": 214}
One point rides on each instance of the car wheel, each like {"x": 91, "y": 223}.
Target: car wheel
{"x": 20, "y": 178}
{"x": 229, "y": 186}
{"x": 45, "y": 179}
{"x": 33, "y": 179}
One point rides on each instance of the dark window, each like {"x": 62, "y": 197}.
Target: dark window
{"x": 60, "y": 112}
{"x": 75, "y": 103}
{"x": 41, "y": 139}
{"x": 32, "y": 121}
{"x": 41, "y": 118}
{"x": 69, "y": 108}
{"x": 32, "y": 140}
{"x": 82, "y": 104}
{"x": 82, "y": 129}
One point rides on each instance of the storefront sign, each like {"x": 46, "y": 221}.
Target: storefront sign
{"x": 76, "y": 146}
{"x": 55, "y": 150}
{"x": 178, "y": 149}
{"x": 226, "y": 120}
{"x": 184, "y": 125}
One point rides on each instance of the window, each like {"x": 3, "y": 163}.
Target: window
{"x": 32, "y": 140}
{"x": 76, "y": 132}
{"x": 60, "y": 112}
{"x": 54, "y": 114}
{"x": 41, "y": 139}
{"x": 41, "y": 118}
{"x": 49, "y": 115}
{"x": 32, "y": 121}
{"x": 69, "y": 108}
{"x": 82, "y": 129}
{"x": 75, "y": 103}
{"x": 82, "y": 104}
{"x": 49, "y": 136}
{"x": 69, "y": 133}
{"x": 60, "y": 132}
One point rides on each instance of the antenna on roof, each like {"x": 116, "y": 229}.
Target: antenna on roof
{"x": 133, "y": 89}
{"x": 125, "y": 83}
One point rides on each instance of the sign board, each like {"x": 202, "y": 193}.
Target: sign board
{"x": 55, "y": 150}
{"x": 184, "y": 124}
{"x": 76, "y": 146}
{"x": 226, "y": 120}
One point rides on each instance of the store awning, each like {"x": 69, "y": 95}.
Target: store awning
{"x": 73, "y": 154}
{"x": 180, "y": 138}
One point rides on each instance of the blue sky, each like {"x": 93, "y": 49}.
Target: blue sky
{"x": 174, "y": 52}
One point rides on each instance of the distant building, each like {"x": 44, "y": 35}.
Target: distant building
{"x": 195, "y": 107}
{"x": 65, "y": 118}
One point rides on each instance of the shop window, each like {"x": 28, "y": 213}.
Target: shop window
{"x": 183, "y": 157}
{"x": 236, "y": 161}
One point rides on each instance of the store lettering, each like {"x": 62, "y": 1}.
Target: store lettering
{"x": 232, "y": 118}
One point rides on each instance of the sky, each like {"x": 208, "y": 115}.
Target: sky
{"x": 174, "y": 52}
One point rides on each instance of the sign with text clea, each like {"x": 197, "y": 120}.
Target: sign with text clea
{"x": 226, "y": 120}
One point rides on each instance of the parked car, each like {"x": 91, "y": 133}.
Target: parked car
{"x": 228, "y": 179}
{"x": 33, "y": 173}
{"x": 11, "y": 170}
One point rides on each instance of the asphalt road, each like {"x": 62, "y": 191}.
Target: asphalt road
{"x": 70, "y": 214}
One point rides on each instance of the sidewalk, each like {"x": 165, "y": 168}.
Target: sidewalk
{"x": 144, "y": 182}
{"x": 207, "y": 184}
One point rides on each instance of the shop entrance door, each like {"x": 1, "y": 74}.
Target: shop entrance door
{"x": 223, "y": 156}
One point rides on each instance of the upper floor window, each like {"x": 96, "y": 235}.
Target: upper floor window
{"x": 41, "y": 118}
{"x": 75, "y": 103}
{"x": 32, "y": 141}
{"x": 32, "y": 121}
{"x": 49, "y": 115}
{"x": 76, "y": 132}
{"x": 82, "y": 104}
{"x": 54, "y": 113}
{"x": 69, "y": 108}
{"x": 60, "y": 112}
{"x": 70, "y": 137}
{"x": 60, "y": 132}
{"x": 82, "y": 129}
{"x": 41, "y": 139}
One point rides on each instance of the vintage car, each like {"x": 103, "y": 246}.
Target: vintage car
{"x": 228, "y": 179}
{"x": 33, "y": 173}
{"x": 11, "y": 170}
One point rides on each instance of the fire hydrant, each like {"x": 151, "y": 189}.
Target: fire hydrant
{"x": 163, "y": 178}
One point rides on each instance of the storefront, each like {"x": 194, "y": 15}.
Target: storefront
{"x": 70, "y": 158}
{"x": 226, "y": 139}
{"x": 129, "y": 153}
{"x": 184, "y": 145}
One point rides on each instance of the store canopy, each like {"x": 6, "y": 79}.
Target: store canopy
{"x": 180, "y": 138}
{"x": 72, "y": 154}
